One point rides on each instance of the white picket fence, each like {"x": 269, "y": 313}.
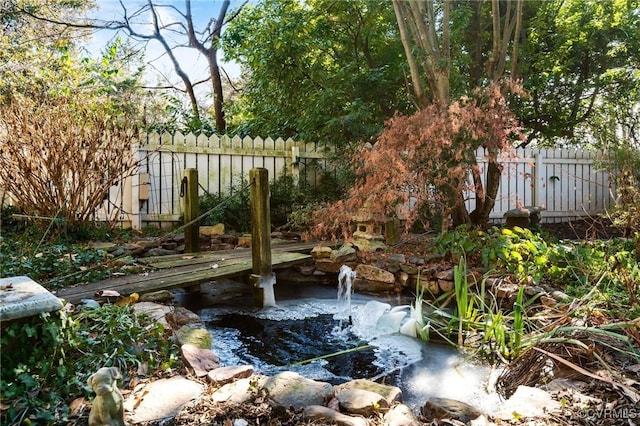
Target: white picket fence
{"x": 152, "y": 197}
{"x": 567, "y": 183}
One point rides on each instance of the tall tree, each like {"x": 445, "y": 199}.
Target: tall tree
{"x": 426, "y": 30}
{"x": 319, "y": 70}
{"x": 578, "y": 56}
{"x": 149, "y": 22}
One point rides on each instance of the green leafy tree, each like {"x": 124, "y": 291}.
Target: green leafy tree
{"x": 66, "y": 121}
{"x": 317, "y": 70}
{"x": 580, "y": 65}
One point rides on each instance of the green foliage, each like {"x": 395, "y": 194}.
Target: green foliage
{"x": 477, "y": 313}
{"x": 624, "y": 166}
{"x": 53, "y": 265}
{"x": 46, "y": 360}
{"x": 579, "y": 62}
{"x": 334, "y": 67}
{"x": 570, "y": 265}
{"x": 292, "y": 203}
{"x": 8, "y": 223}
{"x": 232, "y": 209}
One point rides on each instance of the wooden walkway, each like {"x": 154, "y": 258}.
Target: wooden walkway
{"x": 186, "y": 270}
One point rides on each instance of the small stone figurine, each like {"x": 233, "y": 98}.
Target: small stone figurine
{"x": 107, "y": 408}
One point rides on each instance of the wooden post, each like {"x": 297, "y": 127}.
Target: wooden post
{"x": 189, "y": 189}
{"x": 260, "y": 231}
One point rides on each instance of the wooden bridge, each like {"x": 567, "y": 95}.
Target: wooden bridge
{"x": 188, "y": 270}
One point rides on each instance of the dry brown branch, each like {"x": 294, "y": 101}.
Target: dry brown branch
{"x": 61, "y": 155}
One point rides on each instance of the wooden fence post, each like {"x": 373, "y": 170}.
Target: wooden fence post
{"x": 189, "y": 190}
{"x": 260, "y": 234}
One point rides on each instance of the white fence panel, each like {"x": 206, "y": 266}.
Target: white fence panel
{"x": 567, "y": 183}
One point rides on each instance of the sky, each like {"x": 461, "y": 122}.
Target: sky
{"x": 158, "y": 64}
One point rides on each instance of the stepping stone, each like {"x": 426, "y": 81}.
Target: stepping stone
{"x": 161, "y": 399}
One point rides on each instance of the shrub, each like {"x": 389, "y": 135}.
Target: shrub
{"x": 60, "y": 155}
{"x": 624, "y": 166}
{"x": 46, "y": 360}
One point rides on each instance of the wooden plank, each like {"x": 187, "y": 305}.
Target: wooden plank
{"x": 178, "y": 260}
{"x": 174, "y": 278}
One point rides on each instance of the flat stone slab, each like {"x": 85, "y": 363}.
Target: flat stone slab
{"x": 22, "y": 297}
{"x": 161, "y": 399}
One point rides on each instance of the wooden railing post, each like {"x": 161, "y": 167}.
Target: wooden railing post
{"x": 189, "y": 190}
{"x": 260, "y": 236}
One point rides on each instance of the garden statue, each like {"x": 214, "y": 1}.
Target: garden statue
{"x": 107, "y": 408}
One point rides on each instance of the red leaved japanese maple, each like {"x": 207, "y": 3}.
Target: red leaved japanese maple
{"x": 427, "y": 162}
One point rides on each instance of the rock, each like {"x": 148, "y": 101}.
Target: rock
{"x": 326, "y": 265}
{"x": 400, "y": 415}
{"x": 412, "y": 270}
{"x": 201, "y": 360}
{"x": 155, "y": 311}
{"x": 527, "y": 402}
{"x": 392, "y": 267}
{"x": 117, "y": 252}
{"x": 158, "y": 252}
{"x": 371, "y": 273}
{"x": 195, "y": 336}
{"x": 445, "y": 408}
{"x": 180, "y": 316}
{"x": 244, "y": 241}
{"x": 161, "y": 399}
{"x": 325, "y": 415}
{"x": 346, "y": 253}
{"x": 359, "y": 401}
{"x": 169, "y": 245}
{"x": 212, "y": 230}
{"x": 229, "y": 239}
{"x": 321, "y": 252}
{"x": 429, "y": 286}
{"x": 560, "y": 296}
{"x": 368, "y": 286}
{"x": 306, "y": 270}
{"x": 445, "y": 285}
{"x": 289, "y": 389}
{"x": 397, "y": 257}
{"x": 445, "y": 275}
{"x": 415, "y": 260}
{"x": 402, "y": 278}
{"x": 240, "y": 391}
{"x": 390, "y": 393}
{"x": 146, "y": 244}
{"x": 131, "y": 246}
{"x": 222, "y": 246}
{"x": 157, "y": 296}
{"x": 99, "y": 245}
{"x": 223, "y": 375}
{"x": 122, "y": 261}
{"x": 532, "y": 290}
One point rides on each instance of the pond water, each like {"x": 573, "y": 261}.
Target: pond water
{"x": 309, "y": 332}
